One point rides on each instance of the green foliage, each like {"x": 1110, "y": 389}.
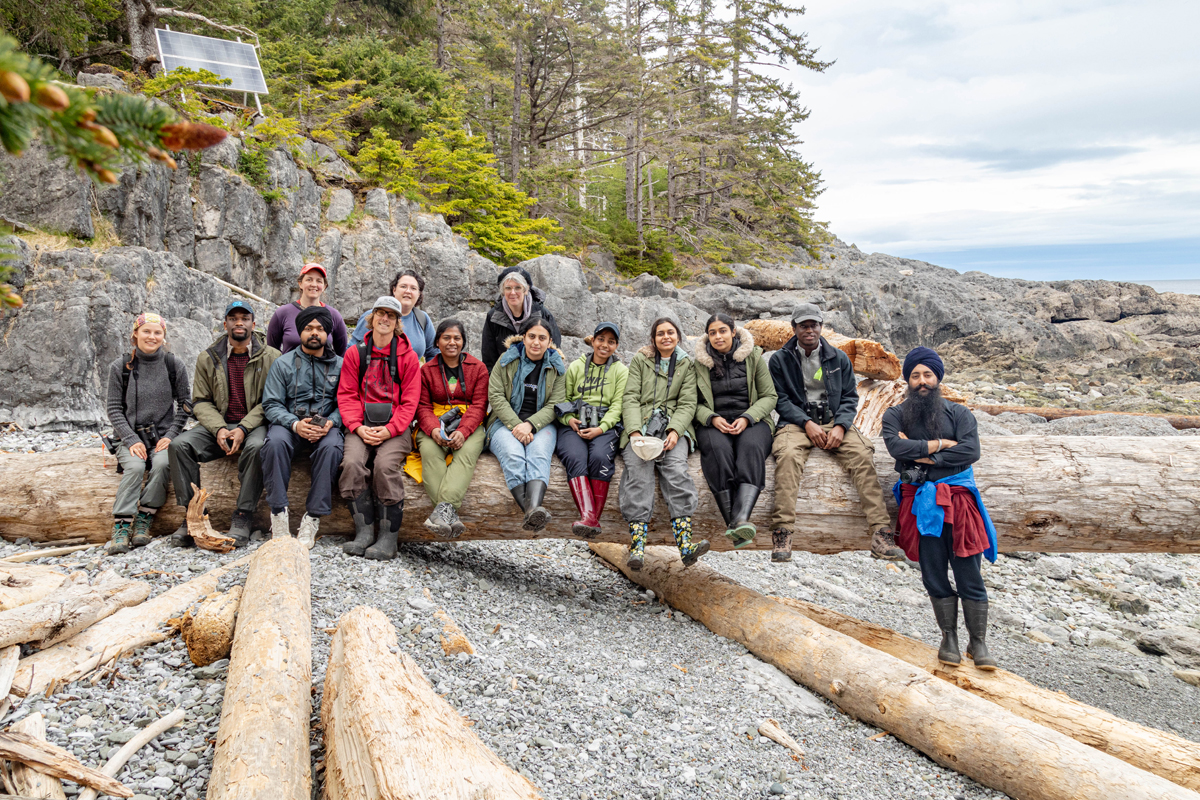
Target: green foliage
{"x": 655, "y": 257}
{"x": 56, "y": 27}
{"x": 252, "y": 163}
{"x": 178, "y": 89}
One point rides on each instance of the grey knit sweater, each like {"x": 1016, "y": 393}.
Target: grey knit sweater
{"x": 148, "y": 400}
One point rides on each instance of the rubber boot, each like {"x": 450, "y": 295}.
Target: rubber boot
{"x": 975, "y": 614}
{"x": 141, "y": 527}
{"x": 945, "y": 610}
{"x": 518, "y": 493}
{"x": 599, "y": 498}
{"x": 638, "y": 531}
{"x": 388, "y": 518}
{"x": 725, "y": 506}
{"x": 690, "y": 553}
{"x": 743, "y": 506}
{"x": 536, "y": 517}
{"x": 119, "y": 542}
{"x": 581, "y": 492}
{"x": 362, "y": 511}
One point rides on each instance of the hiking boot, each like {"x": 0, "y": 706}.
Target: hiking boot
{"x": 741, "y": 530}
{"x": 119, "y": 541}
{"x": 308, "y": 530}
{"x": 362, "y": 511}
{"x": 637, "y": 545}
{"x": 781, "y": 545}
{"x": 975, "y": 614}
{"x": 181, "y": 537}
{"x": 141, "y": 527}
{"x": 239, "y": 529}
{"x": 280, "y": 525}
{"x": 883, "y": 545}
{"x": 456, "y": 525}
{"x": 536, "y": 517}
{"x": 438, "y": 521}
{"x": 388, "y": 518}
{"x": 945, "y": 611}
{"x": 587, "y": 526}
{"x": 681, "y": 527}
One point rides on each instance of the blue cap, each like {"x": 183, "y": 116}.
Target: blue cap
{"x": 234, "y": 305}
{"x": 608, "y": 326}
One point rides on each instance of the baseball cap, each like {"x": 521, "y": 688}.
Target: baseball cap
{"x": 806, "y": 312}
{"x": 608, "y": 326}
{"x": 314, "y": 267}
{"x": 236, "y": 305}
{"x": 390, "y": 303}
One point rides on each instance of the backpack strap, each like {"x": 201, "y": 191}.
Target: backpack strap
{"x": 364, "y": 360}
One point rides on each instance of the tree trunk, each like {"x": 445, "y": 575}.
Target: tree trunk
{"x": 1177, "y": 421}
{"x": 262, "y": 744}
{"x": 109, "y": 639}
{"x": 514, "y": 133}
{"x": 140, "y": 20}
{"x": 1165, "y": 754}
{"x": 21, "y": 585}
{"x": 27, "y": 781}
{"x": 870, "y": 359}
{"x": 388, "y": 734}
{"x": 54, "y": 760}
{"x": 955, "y": 728}
{"x": 208, "y": 632}
{"x": 70, "y": 610}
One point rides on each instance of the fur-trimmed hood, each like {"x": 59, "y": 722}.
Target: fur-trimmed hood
{"x": 511, "y": 354}
{"x": 744, "y": 349}
{"x": 647, "y": 350}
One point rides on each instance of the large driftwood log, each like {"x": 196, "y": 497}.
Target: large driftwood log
{"x": 1177, "y": 421}
{"x": 870, "y": 359}
{"x": 1045, "y": 494}
{"x": 53, "y": 760}
{"x": 27, "y": 781}
{"x": 955, "y": 728}
{"x": 208, "y": 631}
{"x": 69, "y": 610}
{"x": 388, "y": 733}
{"x": 21, "y": 585}
{"x": 262, "y": 743}
{"x": 109, "y": 639}
{"x": 1164, "y": 754}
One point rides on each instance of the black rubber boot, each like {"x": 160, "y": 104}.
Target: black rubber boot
{"x": 945, "y": 610}
{"x": 518, "y": 493}
{"x": 362, "y": 511}
{"x": 181, "y": 537}
{"x": 389, "y": 519}
{"x": 975, "y": 614}
{"x": 536, "y": 517}
{"x": 725, "y": 506}
{"x": 743, "y": 506}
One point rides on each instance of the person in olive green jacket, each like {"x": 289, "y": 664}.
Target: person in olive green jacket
{"x": 734, "y": 400}
{"x": 657, "y": 411}
{"x": 588, "y": 434}
{"x": 227, "y": 401}
{"x": 525, "y": 385}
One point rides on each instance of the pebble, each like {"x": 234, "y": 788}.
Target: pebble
{"x": 1130, "y": 676}
{"x": 420, "y": 604}
{"x": 1054, "y": 567}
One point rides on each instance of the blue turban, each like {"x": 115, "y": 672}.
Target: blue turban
{"x": 923, "y": 355}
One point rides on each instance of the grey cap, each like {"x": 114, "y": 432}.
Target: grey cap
{"x": 806, "y": 312}
{"x": 390, "y": 303}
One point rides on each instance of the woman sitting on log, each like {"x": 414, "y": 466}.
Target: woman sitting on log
{"x": 734, "y": 400}
{"x": 657, "y": 411}
{"x": 148, "y": 399}
{"x": 525, "y": 385}
{"x": 454, "y": 387}
{"x": 587, "y": 437}
{"x": 377, "y": 396}
{"x": 281, "y": 330}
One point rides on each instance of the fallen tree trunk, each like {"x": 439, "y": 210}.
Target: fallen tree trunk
{"x": 870, "y": 359}
{"x": 208, "y": 632}
{"x": 70, "y": 610}
{"x": 262, "y": 742}
{"x": 27, "y": 781}
{"x": 53, "y": 760}
{"x": 955, "y": 728}
{"x": 1164, "y": 754}
{"x": 1045, "y": 494}
{"x": 1177, "y": 421}
{"x": 388, "y": 733}
{"x": 109, "y": 639}
{"x": 23, "y": 585}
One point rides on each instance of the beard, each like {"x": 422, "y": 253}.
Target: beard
{"x": 240, "y": 336}
{"x": 922, "y": 412}
{"x": 314, "y": 343}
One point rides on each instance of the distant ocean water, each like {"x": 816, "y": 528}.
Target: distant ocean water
{"x": 1182, "y": 287}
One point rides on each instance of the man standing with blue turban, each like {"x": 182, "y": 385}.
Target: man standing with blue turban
{"x": 943, "y": 522}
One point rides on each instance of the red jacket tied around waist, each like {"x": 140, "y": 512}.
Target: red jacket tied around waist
{"x": 962, "y": 515}
{"x": 378, "y": 387}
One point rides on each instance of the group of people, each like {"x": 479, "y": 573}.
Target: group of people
{"x": 365, "y": 409}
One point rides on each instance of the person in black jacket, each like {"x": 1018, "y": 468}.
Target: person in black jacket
{"x": 519, "y": 300}
{"x": 817, "y": 403}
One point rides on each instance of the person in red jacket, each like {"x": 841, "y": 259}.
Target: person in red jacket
{"x": 377, "y": 396}
{"x": 454, "y": 400}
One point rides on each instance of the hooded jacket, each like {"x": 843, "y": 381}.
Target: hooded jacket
{"x": 433, "y": 390}
{"x": 405, "y": 394}
{"x": 497, "y": 327}
{"x": 606, "y": 384}
{"x": 758, "y": 380}
{"x": 837, "y": 373}
{"x": 506, "y": 386}
{"x": 298, "y": 379}
{"x": 646, "y": 389}
{"x": 210, "y": 391}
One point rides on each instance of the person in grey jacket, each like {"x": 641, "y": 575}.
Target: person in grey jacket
{"x": 148, "y": 397}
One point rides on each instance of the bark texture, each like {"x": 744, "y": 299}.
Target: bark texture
{"x": 73, "y": 608}
{"x": 27, "y": 781}
{"x": 23, "y": 585}
{"x": 955, "y": 728}
{"x": 208, "y": 630}
{"x": 262, "y": 743}
{"x": 389, "y": 735}
{"x": 870, "y": 359}
{"x": 53, "y": 760}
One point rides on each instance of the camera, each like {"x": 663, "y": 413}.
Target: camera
{"x": 914, "y": 475}
{"x": 656, "y": 426}
{"x": 318, "y": 420}
{"x": 819, "y": 413}
{"x": 450, "y": 420}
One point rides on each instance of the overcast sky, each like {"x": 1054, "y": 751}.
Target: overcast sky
{"x": 1018, "y": 137}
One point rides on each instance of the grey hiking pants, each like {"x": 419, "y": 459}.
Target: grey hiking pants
{"x": 130, "y": 494}
{"x": 636, "y": 493}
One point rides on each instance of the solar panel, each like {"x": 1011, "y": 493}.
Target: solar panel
{"x": 234, "y": 60}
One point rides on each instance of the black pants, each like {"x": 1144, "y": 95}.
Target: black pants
{"x": 583, "y": 459}
{"x": 728, "y": 461}
{"x": 937, "y": 554}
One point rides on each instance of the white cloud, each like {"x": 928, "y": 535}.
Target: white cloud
{"x": 950, "y": 125}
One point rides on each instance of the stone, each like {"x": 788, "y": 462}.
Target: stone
{"x": 341, "y": 205}
{"x": 777, "y": 789}
{"x": 376, "y": 204}
{"x": 190, "y": 760}
{"x": 1039, "y": 636}
{"x": 1191, "y": 676}
{"x": 45, "y": 193}
{"x": 161, "y": 783}
{"x": 102, "y": 80}
{"x": 1054, "y": 633}
{"x": 1181, "y": 644}
{"x": 1130, "y": 676}
{"x": 420, "y": 604}
{"x": 1053, "y": 567}
{"x": 1163, "y": 576}
{"x": 788, "y": 693}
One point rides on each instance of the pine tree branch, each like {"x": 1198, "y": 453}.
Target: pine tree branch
{"x": 179, "y": 13}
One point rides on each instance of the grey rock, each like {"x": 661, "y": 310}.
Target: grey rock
{"x": 161, "y": 783}
{"x": 567, "y": 294}
{"x": 45, "y": 193}
{"x": 777, "y": 789}
{"x": 190, "y": 760}
{"x": 1054, "y": 567}
{"x": 792, "y": 696}
{"x": 102, "y": 80}
{"x": 376, "y": 204}
{"x": 1163, "y": 576}
{"x": 1130, "y": 676}
{"x": 341, "y": 205}
{"x": 1181, "y": 644}
{"x": 647, "y": 285}
{"x": 420, "y": 604}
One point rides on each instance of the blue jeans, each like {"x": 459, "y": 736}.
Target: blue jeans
{"x": 523, "y": 463}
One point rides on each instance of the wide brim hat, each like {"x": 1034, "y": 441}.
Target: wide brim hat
{"x": 647, "y": 448}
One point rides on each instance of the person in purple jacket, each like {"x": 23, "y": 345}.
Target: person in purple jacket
{"x": 281, "y": 331}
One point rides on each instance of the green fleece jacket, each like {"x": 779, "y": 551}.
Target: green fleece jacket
{"x": 597, "y": 385}
{"x": 645, "y": 390}
{"x": 506, "y": 387}
{"x": 758, "y": 376}
{"x": 210, "y": 389}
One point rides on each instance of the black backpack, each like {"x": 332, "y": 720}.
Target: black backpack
{"x": 364, "y": 360}
{"x": 172, "y": 365}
